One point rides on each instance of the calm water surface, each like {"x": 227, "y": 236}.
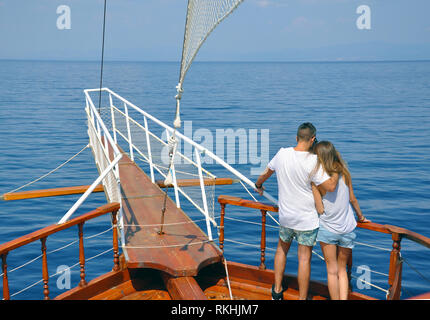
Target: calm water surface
{"x": 376, "y": 114}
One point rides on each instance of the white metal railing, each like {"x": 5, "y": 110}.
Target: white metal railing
{"x": 142, "y": 142}
{"x": 102, "y": 145}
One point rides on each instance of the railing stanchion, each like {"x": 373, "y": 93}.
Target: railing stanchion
{"x": 115, "y": 242}
{"x": 130, "y": 143}
{"x": 204, "y": 199}
{"x": 148, "y": 145}
{"x": 113, "y": 118}
{"x": 395, "y": 272}
{"x": 81, "y": 254}
{"x": 263, "y": 240}
{"x": 6, "y": 294}
{"x": 45, "y": 274}
{"x": 349, "y": 271}
{"x": 221, "y": 228}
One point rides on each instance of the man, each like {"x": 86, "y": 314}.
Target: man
{"x": 298, "y": 217}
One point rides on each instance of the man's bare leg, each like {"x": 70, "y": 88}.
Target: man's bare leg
{"x": 279, "y": 265}
{"x": 304, "y": 272}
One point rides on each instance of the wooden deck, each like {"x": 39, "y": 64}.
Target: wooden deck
{"x": 182, "y": 250}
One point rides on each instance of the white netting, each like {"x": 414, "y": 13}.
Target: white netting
{"x": 202, "y": 18}
{"x": 101, "y": 155}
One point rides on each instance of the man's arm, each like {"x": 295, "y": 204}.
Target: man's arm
{"x": 330, "y": 184}
{"x": 261, "y": 179}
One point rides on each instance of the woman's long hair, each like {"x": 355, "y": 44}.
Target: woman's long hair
{"x": 331, "y": 161}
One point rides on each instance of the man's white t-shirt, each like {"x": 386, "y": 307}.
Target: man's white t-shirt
{"x": 295, "y": 172}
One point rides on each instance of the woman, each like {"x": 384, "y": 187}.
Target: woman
{"x": 337, "y": 223}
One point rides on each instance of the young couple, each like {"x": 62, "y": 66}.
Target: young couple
{"x": 313, "y": 180}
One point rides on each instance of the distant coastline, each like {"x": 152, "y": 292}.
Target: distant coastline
{"x": 222, "y": 61}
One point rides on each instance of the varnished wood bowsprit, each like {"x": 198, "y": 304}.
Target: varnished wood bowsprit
{"x": 48, "y": 192}
{"x": 182, "y": 250}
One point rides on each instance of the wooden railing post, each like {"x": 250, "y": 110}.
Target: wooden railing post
{"x": 115, "y": 242}
{"x": 81, "y": 254}
{"x": 348, "y": 271}
{"x": 45, "y": 274}
{"x": 263, "y": 240}
{"x": 6, "y": 294}
{"x": 395, "y": 272}
{"x": 221, "y": 228}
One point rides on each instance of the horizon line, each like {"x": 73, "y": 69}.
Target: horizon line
{"x": 223, "y": 61}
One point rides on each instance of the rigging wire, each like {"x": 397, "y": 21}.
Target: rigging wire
{"x": 50, "y": 172}
{"x": 103, "y": 53}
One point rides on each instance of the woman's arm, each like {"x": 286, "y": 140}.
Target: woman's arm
{"x": 354, "y": 202}
{"x": 318, "y": 199}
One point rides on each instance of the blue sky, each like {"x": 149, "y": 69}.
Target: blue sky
{"x": 259, "y": 30}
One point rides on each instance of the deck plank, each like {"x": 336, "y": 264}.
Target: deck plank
{"x": 182, "y": 250}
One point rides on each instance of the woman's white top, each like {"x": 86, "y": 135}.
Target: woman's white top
{"x": 338, "y": 214}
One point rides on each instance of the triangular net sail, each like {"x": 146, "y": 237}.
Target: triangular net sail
{"x": 203, "y": 16}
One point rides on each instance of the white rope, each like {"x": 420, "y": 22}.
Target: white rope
{"x": 371, "y": 284}
{"x": 55, "y": 250}
{"x": 419, "y": 273}
{"x": 98, "y": 255}
{"x": 372, "y": 246}
{"x": 166, "y": 168}
{"x": 271, "y": 249}
{"x": 53, "y": 275}
{"x": 98, "y": 234}
{"x": 228, "y": 279}
{"x": 318, "y": 255}
{"x": 243, "y": 185}
{"x": 247, "y": 244}
{"x": 50, "y": 172}
{"x": 23, "y": 265}
{"x": 26, "y": 288}
{"x": 167, "y": 246}
{"x": 164, "y": 224}
{"x": 251, "y": 222}
{"x": 381, "y": 273}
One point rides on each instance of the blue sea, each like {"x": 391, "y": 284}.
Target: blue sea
{"x": 377, "y": 114}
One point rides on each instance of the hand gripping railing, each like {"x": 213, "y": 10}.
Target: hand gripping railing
{"x": 395, "y": 270}
{"x": 43, "y": 234}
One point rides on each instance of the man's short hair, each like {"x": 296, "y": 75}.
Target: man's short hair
{"x": 306, "y": 131}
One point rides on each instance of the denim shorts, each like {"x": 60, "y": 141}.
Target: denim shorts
{"x": 344, "y": 240}
{"x": 306, "y": 238}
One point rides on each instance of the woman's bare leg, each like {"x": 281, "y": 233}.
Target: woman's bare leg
{"x": 330, "y": 256}
{"x": 342, "y": 261}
